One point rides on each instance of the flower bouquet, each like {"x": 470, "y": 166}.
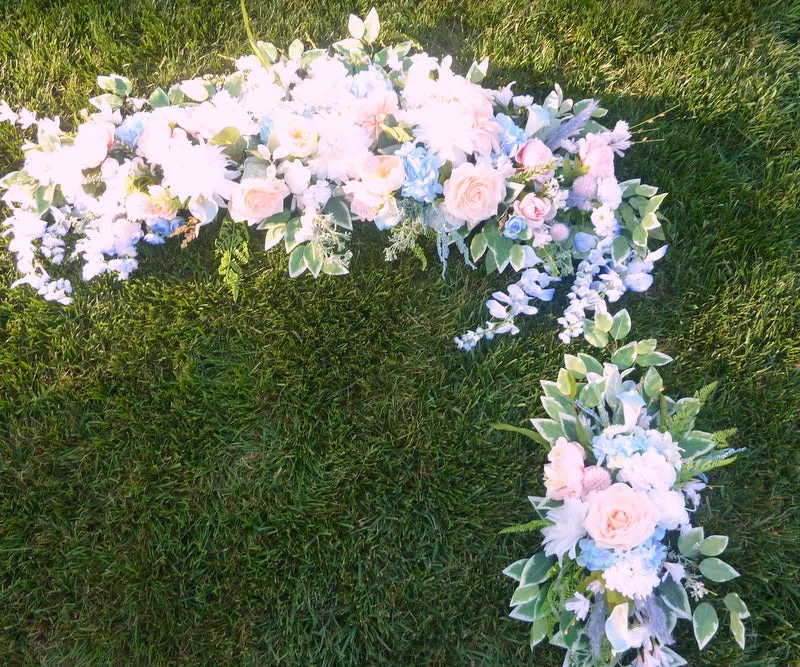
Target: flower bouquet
{"x": 299, "y": 144}
{"x": 622, "y": 560}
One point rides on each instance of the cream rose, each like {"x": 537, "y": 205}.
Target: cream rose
{"x": 255, "y": 199}
{"x": 157, "y": 203}
{"x": 563, "y": 476}
{"x": 383, "y": 174}
{"x": 620, "y": 518}
{"x": 293, "y": 135}
{"x": 473, "y": 192}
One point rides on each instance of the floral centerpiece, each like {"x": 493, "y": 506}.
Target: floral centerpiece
{"x": 623, "y": 560}
{"x": 299, "y": 144}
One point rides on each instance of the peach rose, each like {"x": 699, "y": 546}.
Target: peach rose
{"x": 473, "y": 192}
{"x": 620, "y": 518}
{"x": 371, "y": 112}
{"x": 383, "y": 174}
{"x": 536, "y": 210}
{"x": 293, "y": 135}
{"x": 536, "y": 156}
{"x": 257, "y": 198}
{"x": 563, "y": 476}
{"x": 597, "y": 156}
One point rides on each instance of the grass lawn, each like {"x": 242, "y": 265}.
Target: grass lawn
{"x": 307, "y": 476}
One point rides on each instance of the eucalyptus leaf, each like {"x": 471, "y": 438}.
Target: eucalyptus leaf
{"x": 737, "y": 629}
{"x": 338, "y": 208}
{"x": 621, "y": 325}
{"x": 653, "y": 359}
{"x": 575, "y": 365}
{"x": 625, "y": 356}
{"x": 717, "y": 570}
{"x": 736, "y": 605}
{"x": 690, "y": 541}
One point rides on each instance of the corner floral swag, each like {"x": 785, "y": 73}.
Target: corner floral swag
{"x": 622, "y": 558}
{"x": 301, "y": 143}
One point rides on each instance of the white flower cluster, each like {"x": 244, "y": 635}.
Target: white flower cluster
{"x": 353, "y": 133}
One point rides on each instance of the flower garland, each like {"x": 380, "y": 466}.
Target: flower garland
{"x": 299, "y": 144}
{"x": 622, "y": 558}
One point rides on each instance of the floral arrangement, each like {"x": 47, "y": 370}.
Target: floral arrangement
{"x": 299, "y": 144}
{"x": 622, "y": 560}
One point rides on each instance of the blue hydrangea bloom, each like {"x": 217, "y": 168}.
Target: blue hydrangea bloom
{"x": 422, "y": 173}
{"x": 593, "y": 557}
{"x": 514, "y": 226}
{"x": 512, "y": 137}
{"x": 161, "y": 228}
{"x": 130, "y": 129}
{"x": 363, "y": 83}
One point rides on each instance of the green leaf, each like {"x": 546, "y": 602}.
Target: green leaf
{"x": 275, "y": 233}
{"x": 737, "y": 629}
{"x": 652, "y": 382}
{"x": 334, "y": 266}
{"x": 592, "y": 365}
{"x": 717, "y": 570}
{"x": 654, "y": 203}
{"x": 674, "y": 596}
{"x": 283, "y": 216}
{"x": 566, "y": 383}
{"x": 226, "y": 137}
{"x": 267, "y": 52}
{"x": 297, "y": 261}
{"x": 620, "y": 248}
{"x": 525, "y": 612}
{"x": 292, "y": 227}
{"x": 158, "y": 98}
{"x": 552, "y": 406}
{"x": 625, "y": 356}
{"x": 705, "y": 623}
{"x": 44, "y": 198}
{"x": 575, "y": 366}
{"x": 646, "y": 191}
{"x": 533, "y": 435}
{"x": 99, "y": 101}
{"x": 234, "y": 83}
{"x": 175, "y": 94}
{"x": 515, "y": 569}
{"x": 604, "y": 322}
{"x": 714, "y": 545}
{"x": 296, "y": 49}
{"x": 195, "y": 90}
{"x": 550, "y": 430}
{"x": 593, "y": 335}
{"x": 653, "y": 359}
{"x": 536, "y": 569}
{"x": 589, "y": 396}
{"x": 621, "y": 325}
{"x": 524, "y": 593}
{"x": 517, "y": 257}
{"x": 646, "y": 346}
{"x": 372, "y": 26}
{"x": 355, "y": 26}
{"x": 315, "y": 258}
{"x": 689, "y": 542}
{"x": 478, "y": 246}
{"x": 310, "y": 56}
{"x": 570, "y": 628}
{"x": 538, "y": 630}
{"x": 736, "y": 605}
{"x": 695, "y": 443}
{"x": 477, "y": 71}
{"x": 113, "y": 83}
{"x": 337, "y": 207}
{"x": 569, "y": 424}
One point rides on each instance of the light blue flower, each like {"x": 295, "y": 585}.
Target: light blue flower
{"x": 593, "y": 557}
{"x": 584, "y": 242}
{"x": 512, "y": 137}
{"x": 515, "y": 226}
{"x": 422, "y": 173}
{"x": 130, "y": 129}
{"x": 161, "y": 228}
{"x": 363, "y": 83}
{"x": 265, "y": 129}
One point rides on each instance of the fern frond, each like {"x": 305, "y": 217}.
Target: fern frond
{"x": 529, "y": 527}
{"x": 232, "y": 250}
{"x": 707, "y": 463}
{"x": 704, "y": 393}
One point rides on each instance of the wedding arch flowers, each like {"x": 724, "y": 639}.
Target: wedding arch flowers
{"x": 304, "y": 145}
{"x": 623, "y": 558}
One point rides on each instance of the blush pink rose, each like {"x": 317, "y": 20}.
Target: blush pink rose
{"x": 255, "y": 199}
{"x": 620, "y": 518}
{"x": 157, "y": 203}
{"x": 536, "y": 210}
{"x": 473, "y": 192}
{"x": 563, "y": 476}
{"x": 597, "y": 156}
{"x": 535, "y": 156}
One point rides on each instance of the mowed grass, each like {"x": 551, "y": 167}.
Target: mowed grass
{"x": 307, "y": 476}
